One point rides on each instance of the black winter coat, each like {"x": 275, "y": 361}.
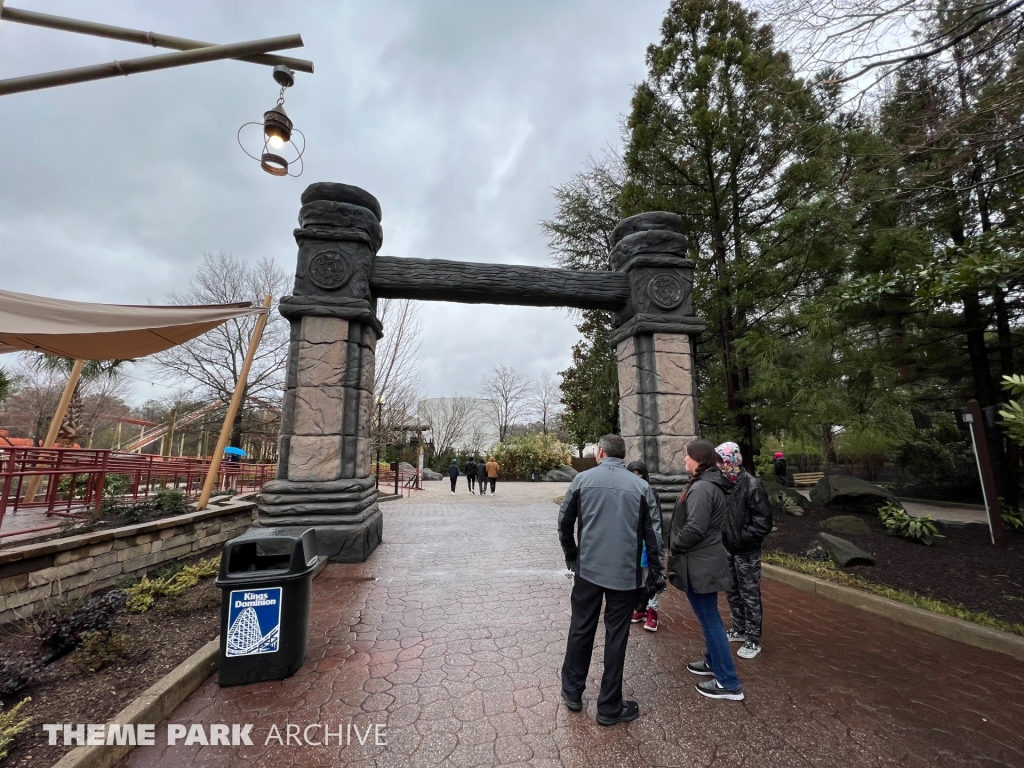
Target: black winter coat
{"x": 749, "y": 517}
{"x": 453, "y": 471}
{"x": 696, "y": 557}
{"x": 481, "y": 470}
{"x": 470, "y": 468}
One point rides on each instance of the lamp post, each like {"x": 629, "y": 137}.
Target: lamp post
{"x": 380, "y": 433}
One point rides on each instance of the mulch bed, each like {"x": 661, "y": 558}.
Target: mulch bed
{"x": 156, "y": 642}
{"x": 962, "y": 568}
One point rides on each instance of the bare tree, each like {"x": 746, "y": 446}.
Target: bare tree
{"x": 396, "y": 375}
{"x": 507, "y": 392}
{"x": 207, "y": 367}
{"x": 449, "y": 421}
{"x": 547, "y": 400}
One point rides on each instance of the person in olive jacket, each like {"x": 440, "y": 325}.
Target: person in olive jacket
{"x": 471, "y": 474}
{"x": 748, "y": 521}
{"x": 698, "y": 565}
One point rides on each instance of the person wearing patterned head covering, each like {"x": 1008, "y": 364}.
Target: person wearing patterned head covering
{"x": 748, "y": 520}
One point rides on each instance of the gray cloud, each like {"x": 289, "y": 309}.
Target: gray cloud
{"x": 459, "y": 116}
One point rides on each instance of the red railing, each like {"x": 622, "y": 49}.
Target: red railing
{"x": 73, "y": 479}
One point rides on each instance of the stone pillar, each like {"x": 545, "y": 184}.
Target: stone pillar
{"x": 653, "y": 339}
{"x": 323, "y": 472}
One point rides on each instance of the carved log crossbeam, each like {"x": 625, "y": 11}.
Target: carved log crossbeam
{"x": 393, "y": 277}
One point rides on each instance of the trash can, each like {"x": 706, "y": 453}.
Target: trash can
{"x": 266, "y": 577}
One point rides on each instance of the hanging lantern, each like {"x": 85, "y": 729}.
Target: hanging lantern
{"x": 278, "y": 133}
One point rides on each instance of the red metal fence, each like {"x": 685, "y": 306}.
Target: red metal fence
{"x": 73, "y": 479}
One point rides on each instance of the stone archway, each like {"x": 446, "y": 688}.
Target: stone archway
{"x": 323, "y": 475}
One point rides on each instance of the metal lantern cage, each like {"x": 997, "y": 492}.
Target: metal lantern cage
{"x": 278, "y": 133}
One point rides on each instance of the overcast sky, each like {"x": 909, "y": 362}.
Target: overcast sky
{"x": 459, "y": 115}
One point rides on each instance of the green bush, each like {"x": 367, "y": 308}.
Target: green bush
{"x": 864, "y": 449}
{"x": 898, "y": 523}
{"x": 941, "y": 463}
{"x": 142, "y": 594}
{"x": 171, "y": 500}
{"x": 523, "y": 454}
{"x": 68, "y": 626}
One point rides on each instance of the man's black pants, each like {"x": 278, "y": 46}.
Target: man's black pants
{"x": 469, "y": 480}
{"x": 586, "y": 609}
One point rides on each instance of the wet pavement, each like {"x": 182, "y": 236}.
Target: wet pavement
{"x": 451, "y": 636}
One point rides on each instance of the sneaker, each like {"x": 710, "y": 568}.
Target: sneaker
{"x": 639, "y": 616}
{"x": 713, "y": 690}
{"x": 575, "y": 705}
{"x": 700, "y": 668}
{"x": 630, "y": 711}
{"x": 736, "y": 637}
{"x": 651, "y": 625}
{"x": 749, "y": 650}
{"x": 453, "y": 493}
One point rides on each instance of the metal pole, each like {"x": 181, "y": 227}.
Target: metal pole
{"x": 988, "y": 480}
{"x": 137, "y": 36}
{"x": 236, "y": 402}
{"x": 147, "y": 64}
{"x": 58, "y": 419}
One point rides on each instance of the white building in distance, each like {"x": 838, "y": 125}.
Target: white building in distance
{"x": 463, "y": 424}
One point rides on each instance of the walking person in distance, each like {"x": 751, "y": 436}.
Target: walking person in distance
{"x": 481, "y": 477}
{"x": 492, "y": 473}
{"x": 748, "y": 521}
{"x": 609, "y": 507}
{"x": 471, "y": 474}
{"x": 698, "y": 565}
{"x": 453, "y": 474}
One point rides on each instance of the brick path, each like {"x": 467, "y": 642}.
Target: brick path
{"x": 452, "y": 635}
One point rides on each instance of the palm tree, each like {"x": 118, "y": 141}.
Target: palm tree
{"x": 6, "y": 385}
{"x": 67, "y": 436}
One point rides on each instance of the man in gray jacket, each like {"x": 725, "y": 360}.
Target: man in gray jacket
{"x": 603, "y": 523}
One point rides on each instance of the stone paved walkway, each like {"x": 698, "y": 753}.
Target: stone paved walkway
{"x": 452, "y": 636}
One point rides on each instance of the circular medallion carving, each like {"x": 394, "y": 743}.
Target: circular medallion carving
{"x": 666, "y": 291}
{"x": 329, "y": 270}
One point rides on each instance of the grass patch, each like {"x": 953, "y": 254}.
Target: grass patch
{"x": 829, "y": 572}
{"x": 174, "y": 581}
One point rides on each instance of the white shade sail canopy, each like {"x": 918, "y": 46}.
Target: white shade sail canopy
{"x": 83, "y": 331}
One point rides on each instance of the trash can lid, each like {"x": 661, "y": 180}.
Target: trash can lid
{"x": 269, "y": 553}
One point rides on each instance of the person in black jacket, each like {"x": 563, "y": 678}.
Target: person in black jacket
{"x": 471, "y": 474}
{"x": 780, "y": 467}
{"x": 748, "y": 521}
{"x": 481, "y": 477}
{"x": 453, "y": 474}
{"x": 698, "y": 565}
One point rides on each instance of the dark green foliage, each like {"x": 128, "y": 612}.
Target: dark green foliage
{"x": 898, "y": 523}
{"x": 170, "y": 500}
{"x": 590, "y": 386}
{"x": 16, "y": 674}
{"x": 67, "y": 626}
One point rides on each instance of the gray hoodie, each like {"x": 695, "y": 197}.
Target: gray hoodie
{"x": 611, "y": 508}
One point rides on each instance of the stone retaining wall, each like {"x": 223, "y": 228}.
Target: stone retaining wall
{"x": 33, "y": 575}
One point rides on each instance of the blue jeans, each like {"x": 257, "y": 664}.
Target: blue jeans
{"x": 717, "y": 656}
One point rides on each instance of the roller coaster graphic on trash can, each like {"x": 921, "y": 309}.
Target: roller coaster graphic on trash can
{"x": 254, "y": 621}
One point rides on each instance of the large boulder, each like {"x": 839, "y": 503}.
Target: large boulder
{"x": 562, "y": 474}
{"x": 848, "y": 525}
{"x": 844, "y": 552}
{"x": 429, "y": 474}
{"x": 785, "y": 500}
{"x": 851, "y": 493}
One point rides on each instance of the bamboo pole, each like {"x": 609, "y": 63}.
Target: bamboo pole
{"x": 58, "y": 419}
{"x": 236, "y": 403}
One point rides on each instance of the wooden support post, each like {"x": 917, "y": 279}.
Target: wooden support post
{"x": 236, "y": 403}
{"x": 985, "y": 473}
{"x": 58, "y": 419}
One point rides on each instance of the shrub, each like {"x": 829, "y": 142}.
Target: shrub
{"x": 171, "y": 500}
{"x": 764, "y": 465}
{"x": 101, "y": 649}
{"x": 65, "y": 631}
{"x": 898, "y": 523}
{"x": 941, "y": 462}
{"x": 115, "y": 485}
{"x": 16, "y": 673}
{"x": 524, "y": 453}
{"x": 142, "y": 594}
{"x": 11, "y": 726}
{"x": 1012, "y": 517}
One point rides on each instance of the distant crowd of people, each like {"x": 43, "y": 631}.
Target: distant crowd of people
{"x": 478, "y": 475}
{"x": 609, "y": 526}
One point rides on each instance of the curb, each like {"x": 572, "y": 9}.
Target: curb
{"x": 929, "y": 621}
{"x": 154, "y": 705}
